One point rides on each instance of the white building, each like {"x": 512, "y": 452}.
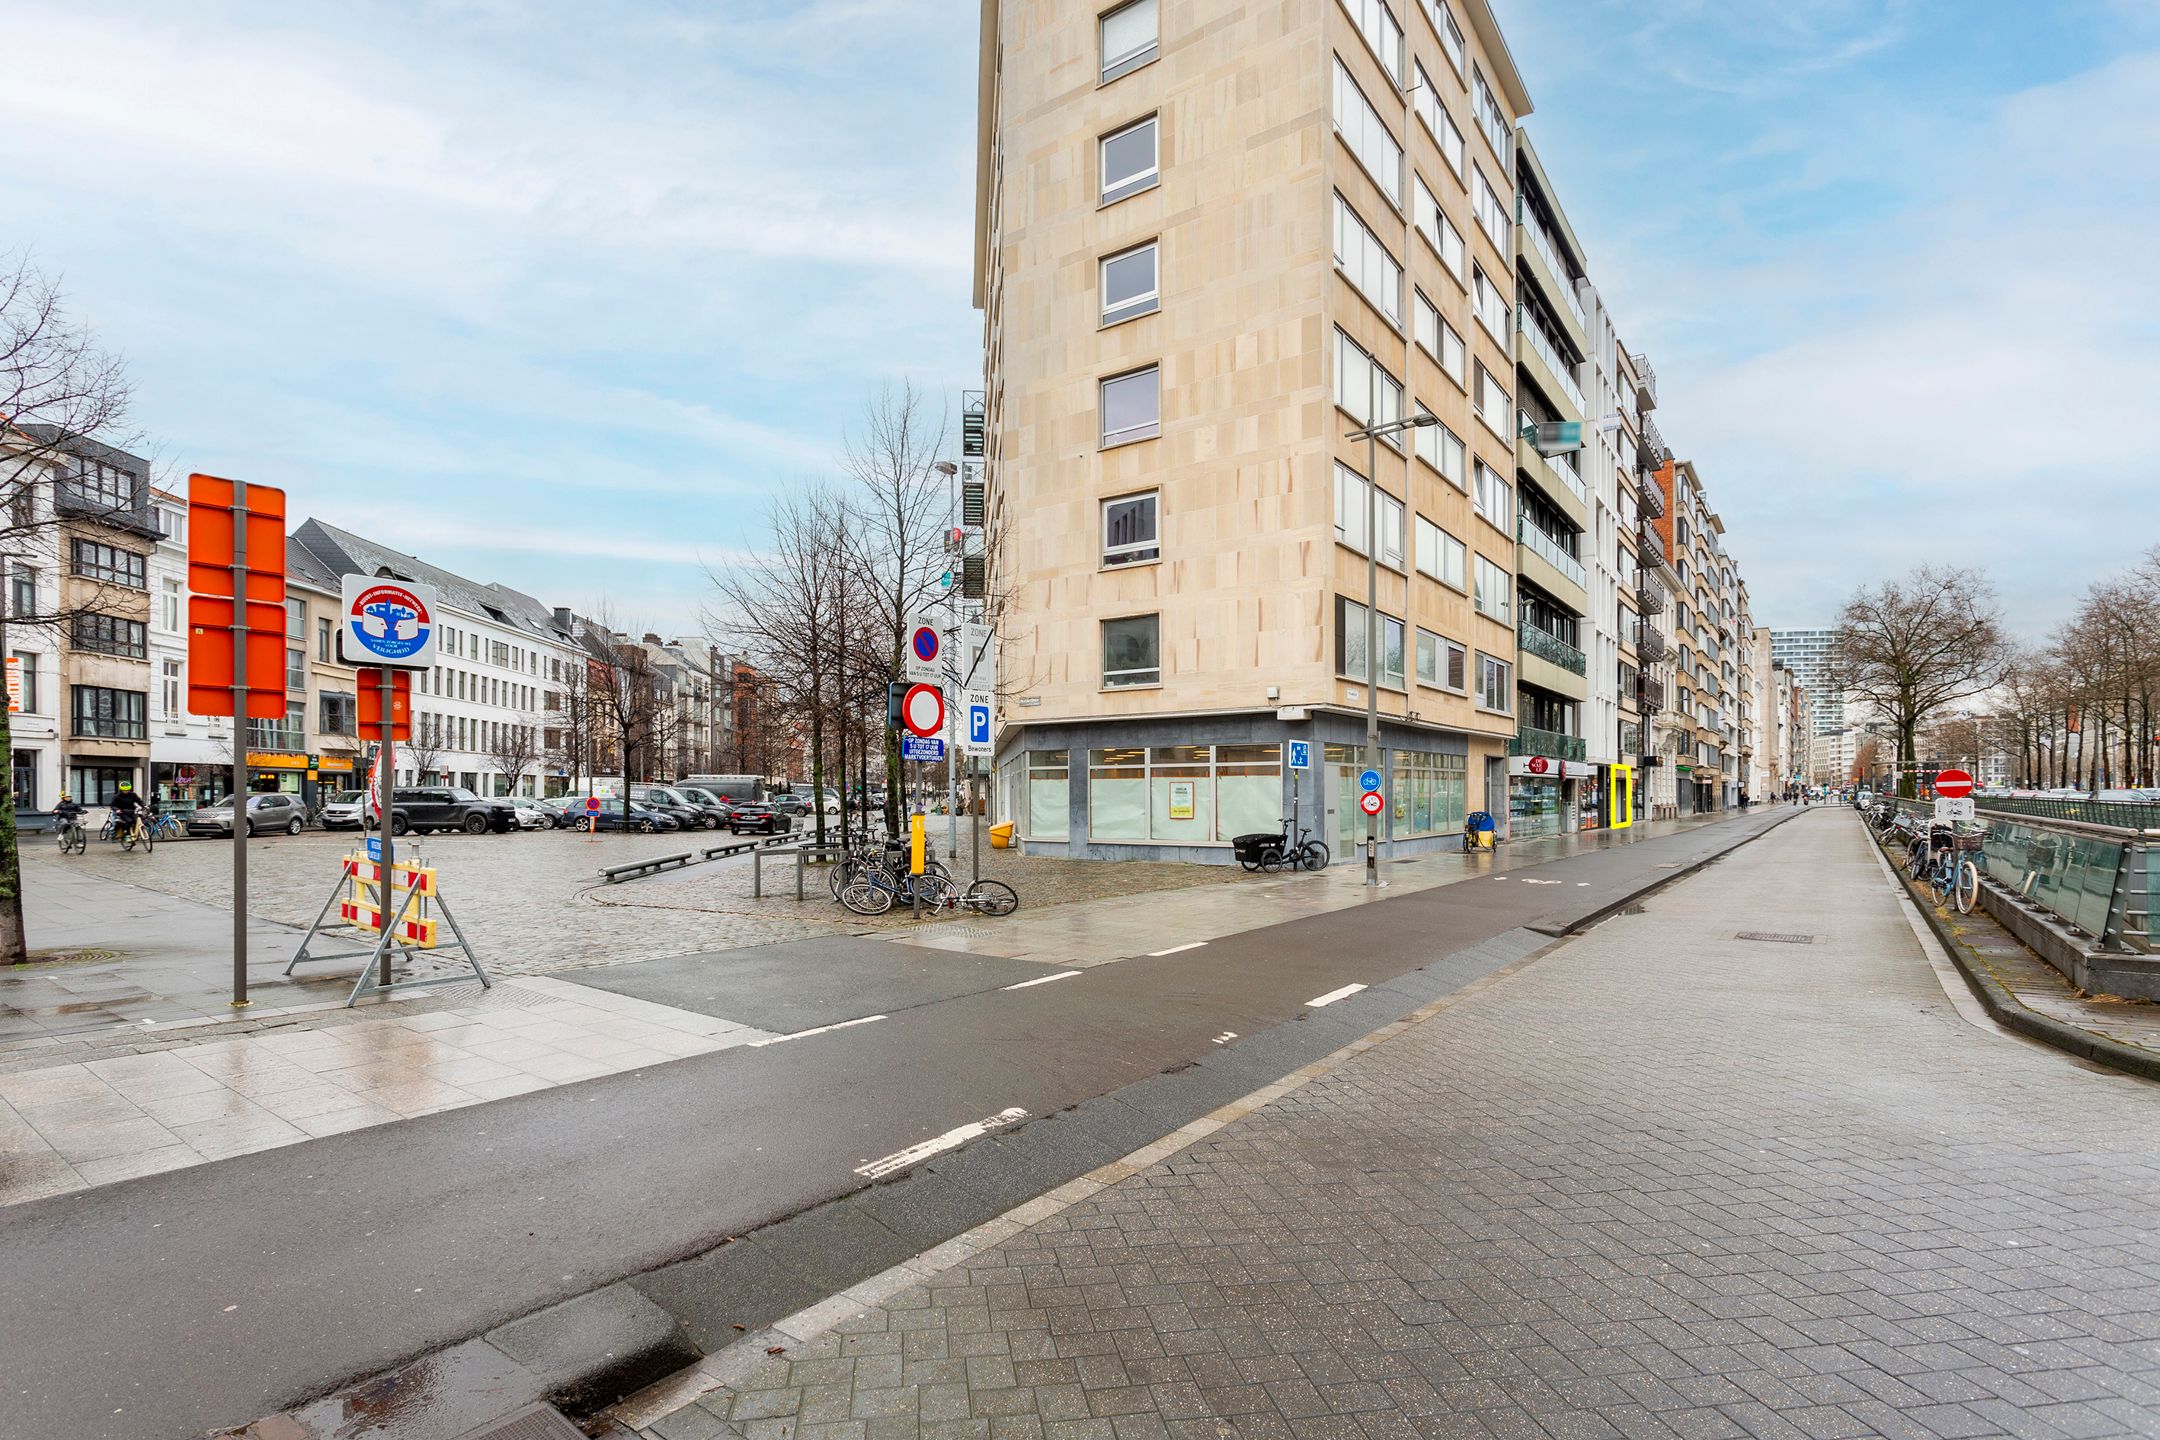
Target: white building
{"x": 190, "y": 755}
{"x": 501, "y": 661}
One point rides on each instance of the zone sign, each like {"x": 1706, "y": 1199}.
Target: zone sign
{"x": 388, "y": 623}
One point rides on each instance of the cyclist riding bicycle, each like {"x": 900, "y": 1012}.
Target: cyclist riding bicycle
{"x": 128, "y": 810}
{"x": 67, "y": 823}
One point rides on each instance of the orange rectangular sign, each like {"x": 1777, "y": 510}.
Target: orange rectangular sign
{"x": 212, "y": 524}
{"x": 210, "y": 657}
{"x": 370, "y": 688}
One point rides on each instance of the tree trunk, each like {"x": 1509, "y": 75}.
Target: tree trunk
{"x": 14, "y": 946}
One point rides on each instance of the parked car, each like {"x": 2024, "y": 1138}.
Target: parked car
{"x": 708, "y": 800}
{"x": 265, "y": 813}
{"x": 789, "y": 804}
{"x": 673, "y": 802}
{"x": 762, "y": 818}
{"x": 827, "y": 800}
{"x": 530, "y": 815}
{"x": 731, "y": 788}
{"x": 425, "y": 808}
{"x": 643, "y": 818}
{"x": 345, "y": 810}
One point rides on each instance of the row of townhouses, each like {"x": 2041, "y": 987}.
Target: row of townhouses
{"x": 97, "y": 607}
{"x": 1216, "y": 241}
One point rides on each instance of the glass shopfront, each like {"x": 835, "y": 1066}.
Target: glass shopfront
{"x": 1182, "y": 794}
{"x": 1535, "y": 807}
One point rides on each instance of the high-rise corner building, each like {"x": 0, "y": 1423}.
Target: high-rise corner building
{"x": 1213, "y": 238}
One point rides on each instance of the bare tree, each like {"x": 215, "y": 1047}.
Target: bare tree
{"x": 1914, "y": 646}
{"x": 58, "y": 393}
{"x": 424, "y": 749}
{"x": 628, "y": 702}
{"x": 513, "y": 749}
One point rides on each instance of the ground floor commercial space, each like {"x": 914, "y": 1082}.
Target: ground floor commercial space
{"x": 1184, "y": 787}
{"x": 41, "y": 769}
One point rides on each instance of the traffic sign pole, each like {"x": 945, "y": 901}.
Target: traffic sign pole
{"x": 388, "y": 781}
{"x": 239, "y": 754}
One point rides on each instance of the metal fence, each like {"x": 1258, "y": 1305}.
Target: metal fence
{"x": 2098, "y": 878}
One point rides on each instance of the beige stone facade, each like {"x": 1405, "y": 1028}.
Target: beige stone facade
{"x": 1259, "y": 326}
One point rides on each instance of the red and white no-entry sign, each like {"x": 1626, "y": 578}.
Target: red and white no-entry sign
{"x": 1954, "y": 784}
{"x": 1370, "y": 802}
{"x": 922, "y": 710}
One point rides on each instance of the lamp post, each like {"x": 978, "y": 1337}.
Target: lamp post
{"x": 1371, "y": 436}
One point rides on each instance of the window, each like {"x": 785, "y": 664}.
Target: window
{"x": 29, "y": 661}
{"x": 22, "y": 590}
{"x": 1494, "y": 592}
{"x": 111, "y": 635}
{"x": 1428, "y": 658}
{"x": 1366, "y": 263}
{"x": 102, "y": 714}
{"x": 104, "y": 485}
{"x": 1129, "y": 160}
{"x": 1430, "y": 793}
{"x": 1489, "y": 302}
{"x": 296, "y": 619}
{"x": 1131, "y": 529}
{"x": 1129, "y": 38}
{"x": 1495, "y": 684}
{"x": 109, "y": 563}
{"x": 1495, "y": 500}
{"x": 324, "y": 644}
{"x": 1433, "y": 114}
{"x": 1132, "y": 651}
{"x": 1492, "y": 215}
{"x": 1439, "y": 554}
{"x": 1440, "y": 233}
{"x": 1352, "y": 509}
{"x": 1049, "y": 795}
{"x": 1490, "y": 401}
{"x": 1485, "y": 106}
{"x": 1194, "y": 794}
{"x": 338, "y": 714}
{"x": 295, "y": 668}
{"x": 169, "y": 678}
{"x": 1377, "y": 24}
{"x": 1360, "y": 381}
{"x": 170, "y": 605}
{"x": 98, "y": 784}
{"x": 1129, "y": 286}
{"x": 1367, "y": 135}
{"x": 1131, "y": 407}
{"x": 1442, "y": 449}
{"x": 1451, "y": 36}
{"x": 1350, "y": 626}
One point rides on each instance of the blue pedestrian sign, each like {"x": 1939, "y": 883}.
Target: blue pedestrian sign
{"x": 1368, "y": 780}
{"x": 374, "y": 847}
{"x": 921, "y": 747}
{"x": 1301, "y": 754}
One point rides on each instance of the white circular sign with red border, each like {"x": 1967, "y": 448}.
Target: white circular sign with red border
{"x": 1370, "y": 802}
{"x": 388, "y": 622}
{"x": 922, "y": 710}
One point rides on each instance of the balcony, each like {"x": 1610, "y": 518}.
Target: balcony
{"x": 1529, "y": 740}
{"x": 1547, "y": 251}
{"x": 1650, "y": 545}
{"x": 1652, "y": 453}
{"x": 1653, "y": 500}
{"x": 1547, "y": 349}
{"x": 1649, "y": 692}
{"x": 1552, "y": 649}
{"x": 1645, "y": 381}
{"x": 1538, "y": 543}
{"x": 1650, "y": 645}
{"x": 1651, "y": 599}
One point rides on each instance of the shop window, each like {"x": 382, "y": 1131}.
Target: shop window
{"x": 1049, "y": 795}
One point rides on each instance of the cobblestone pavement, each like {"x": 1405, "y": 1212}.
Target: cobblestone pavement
{"x": 1732, "y": 1165}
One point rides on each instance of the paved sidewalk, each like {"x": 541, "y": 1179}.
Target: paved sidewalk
{"x": 1729, "y": 1165}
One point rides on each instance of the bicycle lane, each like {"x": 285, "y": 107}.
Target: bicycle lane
{"x": 236, "y": 1288}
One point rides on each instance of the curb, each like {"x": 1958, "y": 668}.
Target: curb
{"x": 633, "y": 1371}
{"x": 2006, "y": 1010}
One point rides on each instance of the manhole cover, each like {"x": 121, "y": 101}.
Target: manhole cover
{"x": 42, "y": 959}
{"x": 537, "y": 1422}
{"x": 1773, "y": 937}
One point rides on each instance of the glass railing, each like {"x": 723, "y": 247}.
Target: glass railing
{"x": 1548, "y": 549}
{"x": 1564, "y": 466}
{"x": 1542, "y": 243}
{"x": 1552, "y": 649}
{"x": 1529, "y": 740}
{"x": 1547, "y": 350}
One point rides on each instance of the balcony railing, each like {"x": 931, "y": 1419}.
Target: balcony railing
{"x": 1548, "y": 350}
{"x": 1652, "y": 451}
{"x": 1650, "y": 644}
{"x": 1650, "y": 599}
{"x": 1542, "y": 243}
{"x": 1529, "y": 740}
{"x": 1645, "y": 380}
{"x": 1653, "y": 500}
{"x": 1649, "y": 692}
{"x": 1548, "y": 549}
{"x": 1552, "y": 649}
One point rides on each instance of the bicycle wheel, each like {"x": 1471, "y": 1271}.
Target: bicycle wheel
{"x": 127, "y": 838}
{"x": 149, "y": 840}
{"x": 1312, "y": 855}
{"x": 1967, "y": 891}
{"x": 992, "y": 897}
{"x": 1271, "y": 859}
{"x": 843, "y": 873}
{"x": 1917, "y": 866}
{"x": 935, "y": 889}
{"x": 865, "y": 896}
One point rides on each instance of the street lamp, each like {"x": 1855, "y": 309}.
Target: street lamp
{"x": 1371, "y": 436}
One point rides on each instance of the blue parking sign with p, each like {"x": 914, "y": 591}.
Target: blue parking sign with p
{"x": 978, "y": 724}
{"x": 1301, "y": 754}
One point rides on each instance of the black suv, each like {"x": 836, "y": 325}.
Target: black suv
{"x": 448, "y": 807}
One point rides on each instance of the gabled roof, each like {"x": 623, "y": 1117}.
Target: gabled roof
{"x": 340, "y": 552}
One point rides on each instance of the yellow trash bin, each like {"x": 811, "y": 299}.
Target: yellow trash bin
{"x": 1001, "y": 836}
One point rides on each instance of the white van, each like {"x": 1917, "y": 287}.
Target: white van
{"x": 735, "y": 789}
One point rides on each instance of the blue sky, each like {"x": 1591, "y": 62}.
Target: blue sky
{"x": 558, "y": 306}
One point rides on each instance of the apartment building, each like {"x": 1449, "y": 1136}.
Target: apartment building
{"x": 1214, "y": 238}
{"x": 83, "y": 526}
{"x": 480, "y": 713}
{"x": 190, "y": 755}
{"x": 1667, "y": 728}
{"x": 1837, "y": 723}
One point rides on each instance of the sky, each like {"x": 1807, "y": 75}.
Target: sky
{"x": 562, "y": 307}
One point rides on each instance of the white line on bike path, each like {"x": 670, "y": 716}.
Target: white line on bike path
{"x": 1041, "y": 980}
{"x": 916, "y": 1154}
{"x": 821, "y": 1030}
{"x": 1333, "y": 995}
{"x": 1175, "y": 949}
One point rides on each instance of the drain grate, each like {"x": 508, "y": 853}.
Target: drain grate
{"x": 1774, "y": 937}
{"x": 536, "y": 1422}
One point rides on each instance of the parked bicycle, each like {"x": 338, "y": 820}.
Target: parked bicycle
{"x": 985, "y": 897}
{"x": 1263, "y": 851}
{"x": 891, "y": 854}
{"x": 878, "y": 885}
{"x": 1950, "y": 870}
{"x": 169, "y": 826}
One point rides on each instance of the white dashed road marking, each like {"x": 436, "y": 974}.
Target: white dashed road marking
{"x": 916, "y": 1154}
{"x": 1157, "y": 954}
{"x": 1332, "y": 996}
{"x": 821, "y": 1030}
{"x": 1042, "y": 980}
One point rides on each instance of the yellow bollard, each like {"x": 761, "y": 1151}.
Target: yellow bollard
{"x": 915, "y": 844}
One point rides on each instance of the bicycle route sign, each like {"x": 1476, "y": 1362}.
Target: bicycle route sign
{"x": 388, "y": 623}
{"x": 1369, "y": 781}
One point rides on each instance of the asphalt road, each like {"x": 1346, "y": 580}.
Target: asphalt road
{"x": 211, "y": 1296}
